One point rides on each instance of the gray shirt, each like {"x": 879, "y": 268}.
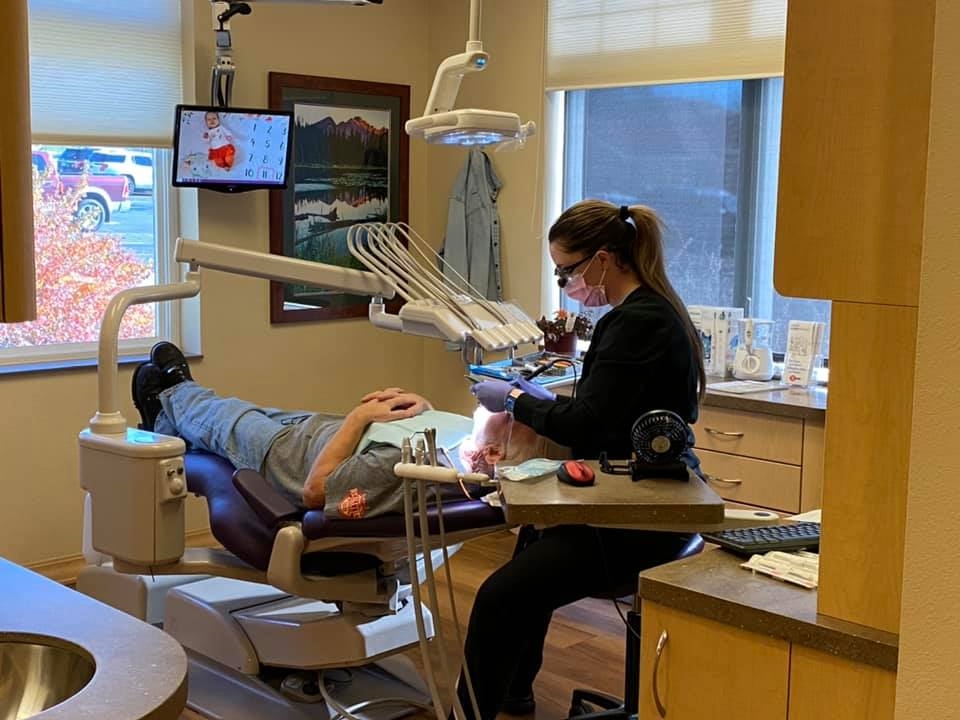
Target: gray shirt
{"x": 363, "y": 485}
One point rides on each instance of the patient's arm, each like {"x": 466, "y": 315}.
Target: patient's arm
{"x": 344, "y": 441}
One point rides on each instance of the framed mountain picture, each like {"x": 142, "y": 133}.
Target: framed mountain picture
{"x": 349, "y": 165}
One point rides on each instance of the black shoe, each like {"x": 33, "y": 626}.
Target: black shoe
{"x": 171, "y": 363}
{"x": 146, "y": 388}
{"x": 523, "y": 705}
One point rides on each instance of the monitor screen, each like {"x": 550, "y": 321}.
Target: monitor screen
{"x": 231, "y": 149}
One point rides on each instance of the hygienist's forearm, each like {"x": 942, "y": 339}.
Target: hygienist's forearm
{"x": 340, "y": 447}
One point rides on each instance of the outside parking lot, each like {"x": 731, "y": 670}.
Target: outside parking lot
{"x": 136, "y": 227}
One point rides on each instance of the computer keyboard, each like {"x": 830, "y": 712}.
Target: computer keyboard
{"x": 764, "y": 538}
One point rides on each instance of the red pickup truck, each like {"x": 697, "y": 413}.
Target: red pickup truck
{"x": 103, "y": 196}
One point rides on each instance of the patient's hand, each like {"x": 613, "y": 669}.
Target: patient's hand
{"x": 413, "y": 401}
{"x": 394, "y": 407}
{"x": 382, "y": 394}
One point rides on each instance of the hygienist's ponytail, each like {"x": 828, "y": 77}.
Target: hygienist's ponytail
{"x": 646, "y": 252}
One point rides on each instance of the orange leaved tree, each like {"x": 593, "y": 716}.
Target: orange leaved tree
{"x": 78, "y": 272}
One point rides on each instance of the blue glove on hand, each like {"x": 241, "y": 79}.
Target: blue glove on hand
{"x": 533, "y": 389}
{"x": 492, "y": 393}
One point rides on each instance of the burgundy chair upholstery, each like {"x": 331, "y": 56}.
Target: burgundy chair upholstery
{"x": 236, "y": 524}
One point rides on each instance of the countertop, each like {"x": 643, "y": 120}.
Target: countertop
{"x": 712, "y": 585}
{"x": 141, "y": 673}
{"x": 806, "y": 405}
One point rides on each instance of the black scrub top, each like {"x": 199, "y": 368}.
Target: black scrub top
{"x": 640, "y": 359}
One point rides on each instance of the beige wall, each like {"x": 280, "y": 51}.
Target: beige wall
{"x": 310, "y": 365}
{"x": 512, "y": 33}
{"x": 927, "y": 682}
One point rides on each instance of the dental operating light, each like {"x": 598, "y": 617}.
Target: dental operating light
{"x": 441, "y": 124}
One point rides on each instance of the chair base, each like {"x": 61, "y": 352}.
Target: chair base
{"x": 219, "y": 692}
{"x": 608, "y": 707}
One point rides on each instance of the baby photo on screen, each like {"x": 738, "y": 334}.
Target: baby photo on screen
{"x": 220, "y": 145}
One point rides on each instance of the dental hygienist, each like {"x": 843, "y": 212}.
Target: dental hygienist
{"x": 645, "y": 354}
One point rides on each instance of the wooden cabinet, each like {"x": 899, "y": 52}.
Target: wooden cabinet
{"x": 825, "y": 686}
{"x": 762, "y": 460}
{"x": 17, "y": 277}
{"x": 853, "y": 153}
{"x": 711, "y": 671}
{"x": 693, "y": 678}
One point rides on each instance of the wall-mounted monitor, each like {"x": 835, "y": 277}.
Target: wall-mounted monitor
{"x": 231, "y": 149}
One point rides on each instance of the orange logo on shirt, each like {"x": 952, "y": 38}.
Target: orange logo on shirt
{"x": 354, "y": 504}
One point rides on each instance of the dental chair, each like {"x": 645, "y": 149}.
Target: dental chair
{"x": 291, "y": 597}
{"x": 299, "y": 611}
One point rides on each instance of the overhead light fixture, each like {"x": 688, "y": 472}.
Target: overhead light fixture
{"x": 442, "y": 125}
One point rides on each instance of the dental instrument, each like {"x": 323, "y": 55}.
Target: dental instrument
{"x": 439, "y": 302}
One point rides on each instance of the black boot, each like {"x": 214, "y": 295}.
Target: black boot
{"x": 171, "y": 363}
{"x": 146, "y": 388}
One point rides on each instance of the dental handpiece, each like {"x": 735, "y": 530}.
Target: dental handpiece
{"x": 431, "y": 435}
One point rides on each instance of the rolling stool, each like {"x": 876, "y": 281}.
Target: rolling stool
{"x": 612, "y": 708}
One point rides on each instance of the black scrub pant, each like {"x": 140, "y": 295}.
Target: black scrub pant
{"x": 513, "y": 607}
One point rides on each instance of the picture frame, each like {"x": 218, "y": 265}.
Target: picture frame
{"x": 350, "y": 165}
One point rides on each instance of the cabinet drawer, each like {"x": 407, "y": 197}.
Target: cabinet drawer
{"x": 754, "y": 482}
{"x": 757, "y": 435}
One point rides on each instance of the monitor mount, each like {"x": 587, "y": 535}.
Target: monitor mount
{"x": 221, "y": 80}
{"x": 224, "y": 70}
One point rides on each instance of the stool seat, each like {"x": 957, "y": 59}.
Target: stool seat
{"x": 693, "y": 547}
{"x": 608, "y": 706}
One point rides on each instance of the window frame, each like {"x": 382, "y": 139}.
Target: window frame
{"x": 753, "y": 260}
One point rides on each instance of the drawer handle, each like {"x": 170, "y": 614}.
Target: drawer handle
{"x": 723, "y": 433}
{"x": 725, "y": 481}
{"x": 661, "y": 644}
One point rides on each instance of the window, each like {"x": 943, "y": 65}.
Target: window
{"x": 93, "y": 237}
{"x": 705, "y": 156}
{"x": 101, "y": 222}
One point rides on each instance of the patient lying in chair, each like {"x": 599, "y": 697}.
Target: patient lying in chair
{"x": 343, "y": 464}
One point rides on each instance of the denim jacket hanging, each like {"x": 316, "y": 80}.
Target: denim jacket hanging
{"x": 472, "y": 244}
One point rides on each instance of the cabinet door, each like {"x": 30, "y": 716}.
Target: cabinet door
{"x": 825, "y": 686}
{"x": 709, "y": 671}
{"x": 853, "y": 153}
{"x": 17, "y": 276}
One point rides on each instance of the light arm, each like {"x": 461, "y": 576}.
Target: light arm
{"x": 278, "y": 267}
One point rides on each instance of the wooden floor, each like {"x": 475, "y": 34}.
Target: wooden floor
{"x": 584, "y": 645}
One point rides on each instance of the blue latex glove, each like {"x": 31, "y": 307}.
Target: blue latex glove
{"x": 492, "y": 393}
{"x": 533, "y": 389}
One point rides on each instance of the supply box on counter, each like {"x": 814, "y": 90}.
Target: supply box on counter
{"x": 718, "y": 329}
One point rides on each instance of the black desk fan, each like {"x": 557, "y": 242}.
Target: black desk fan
{"x": 658, "y": 438}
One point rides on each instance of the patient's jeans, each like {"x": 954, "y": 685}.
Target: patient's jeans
{"x": 512, "y": 610}
{"x": 235, "y": 429}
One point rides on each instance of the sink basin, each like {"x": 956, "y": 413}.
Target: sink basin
{"x": 39, "y": 672}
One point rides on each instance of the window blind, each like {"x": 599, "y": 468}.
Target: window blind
{"x": 603, "y": 43}
{"x": 108, "y": 71}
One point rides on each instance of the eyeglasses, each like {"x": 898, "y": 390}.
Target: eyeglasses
{"x": 563, "y": 272}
